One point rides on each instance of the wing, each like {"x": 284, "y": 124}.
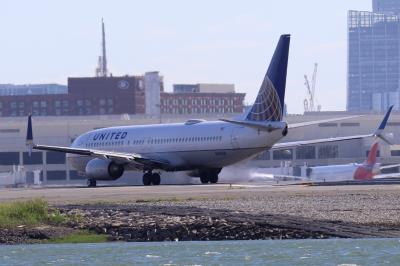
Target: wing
{"x": 389, "y": 166}
{"x": 377, "y": 133}
{"x": 135, "y": 160}
{"x": 310, "y": 123}
{"x": 316, "y": 141}
{"x": 388, "y": 176}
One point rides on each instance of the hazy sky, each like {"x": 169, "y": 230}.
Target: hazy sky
{"x": 207, "y": 41}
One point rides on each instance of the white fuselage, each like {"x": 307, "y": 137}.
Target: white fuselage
{"x": 184, "y": 146}
{"x": 333, "y": 172}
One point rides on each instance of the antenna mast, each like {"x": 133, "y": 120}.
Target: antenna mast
{"x": 101, "y": 70}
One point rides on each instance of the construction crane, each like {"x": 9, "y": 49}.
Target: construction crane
{"x": 309, "y": 102}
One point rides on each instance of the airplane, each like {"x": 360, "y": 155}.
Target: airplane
{"x": 367, "y": 170}
{"x": 201, "y": 148}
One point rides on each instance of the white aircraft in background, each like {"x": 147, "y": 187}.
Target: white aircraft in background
{"x": 367, "y": 170}
{"x": 202, "y": 148}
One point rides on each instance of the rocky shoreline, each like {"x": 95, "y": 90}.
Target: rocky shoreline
{"x": 125, "y": 223}
{"x": 141, "y": 222}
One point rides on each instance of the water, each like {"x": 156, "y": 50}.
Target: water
{"x": 287, "y": 252}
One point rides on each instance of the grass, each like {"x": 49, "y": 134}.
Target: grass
{"x": 78, "y": 237}
{"x": 28, "y": 213}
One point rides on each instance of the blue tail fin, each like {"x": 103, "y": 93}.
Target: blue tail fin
{"x": 270, "y": 100}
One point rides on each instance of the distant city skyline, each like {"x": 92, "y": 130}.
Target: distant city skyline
{"x": 196, "y": 42}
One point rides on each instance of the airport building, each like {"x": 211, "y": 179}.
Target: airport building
{"x": 54, "y": 168}
{"x": 373, "y": 73}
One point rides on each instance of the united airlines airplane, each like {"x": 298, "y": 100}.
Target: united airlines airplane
{"x": 201, "y": 148}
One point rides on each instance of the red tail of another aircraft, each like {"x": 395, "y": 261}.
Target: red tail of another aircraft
{"x": 365, "y": 171}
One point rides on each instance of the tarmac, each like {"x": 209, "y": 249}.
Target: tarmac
{"x": 130, "y": 194}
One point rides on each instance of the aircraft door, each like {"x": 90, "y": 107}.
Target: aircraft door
{"x": 234, "y": 137}
{"x": 148, "y": 145}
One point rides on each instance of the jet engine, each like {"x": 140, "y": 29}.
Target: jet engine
{"x": 103, "y": 169}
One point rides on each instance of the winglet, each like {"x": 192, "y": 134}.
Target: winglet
{"x": 379, "y": 131}
{"x": 29, "y": 135}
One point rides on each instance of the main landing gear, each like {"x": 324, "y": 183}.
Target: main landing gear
{"x": 209, "y": 178}
{"x": 150, "y": 178}
{"x": 91, "y": 182}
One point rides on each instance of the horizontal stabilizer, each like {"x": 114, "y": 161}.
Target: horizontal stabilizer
{"x": 264, "y": 126}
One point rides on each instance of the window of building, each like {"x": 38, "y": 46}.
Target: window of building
{"x": 34, "y": 158}
{"x": 328, "y": 125}
{"x": 56, "y": 175}
{"x": 328, "y": 151}
{"x": 43, "y": 104}
{"x": 73, "y": 175}
{"x": 53, "y": 157}
{"x": 13, "y": 105}
{"x": 395, "y": 153}
{"x": 305, "y": 152}
{"x": 57, "y": 103}
{"x": 102, "y": 102}
{"x": 35, "y": 104}
{"x": 349, "y": 124}
{"x": 9, "y": 158}
{"x": 21, "y": 104}
{"x": 283, "y": 154}
{"x": 79, "y": 102}
{"x": 110, "y": 101}
{"x": 88, "y": 102}
{"x": 9, "y": 130}
{"x": 65, "y": 103}
{"x": 264, "y": 156}
{"x": 393, "y": 124}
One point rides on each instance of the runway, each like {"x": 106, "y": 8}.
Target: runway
{"x": 132, "y": 194}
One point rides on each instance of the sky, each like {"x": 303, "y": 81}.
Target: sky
{"x": 208, "y": 41}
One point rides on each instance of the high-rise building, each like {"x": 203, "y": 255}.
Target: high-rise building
{"x": 373, "y": 77}
{"x": 389, "y": 7}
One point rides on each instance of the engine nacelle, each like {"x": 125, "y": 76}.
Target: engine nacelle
{"x": 103, "y": 169}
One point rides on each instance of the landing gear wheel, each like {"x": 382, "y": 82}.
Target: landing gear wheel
{"x": 214, "y": 179}
{"x": 91, "y": 182}
{"x": 204, "y": 179}
{"x": 155, "y": 179}
{"x": 147, "y": 179}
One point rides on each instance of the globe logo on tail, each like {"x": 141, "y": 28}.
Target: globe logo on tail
{"x": 267, "y": 106}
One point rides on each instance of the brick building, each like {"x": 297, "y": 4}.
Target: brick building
{"x": 115, "y": 95}
{"x": 201, "y": 103}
